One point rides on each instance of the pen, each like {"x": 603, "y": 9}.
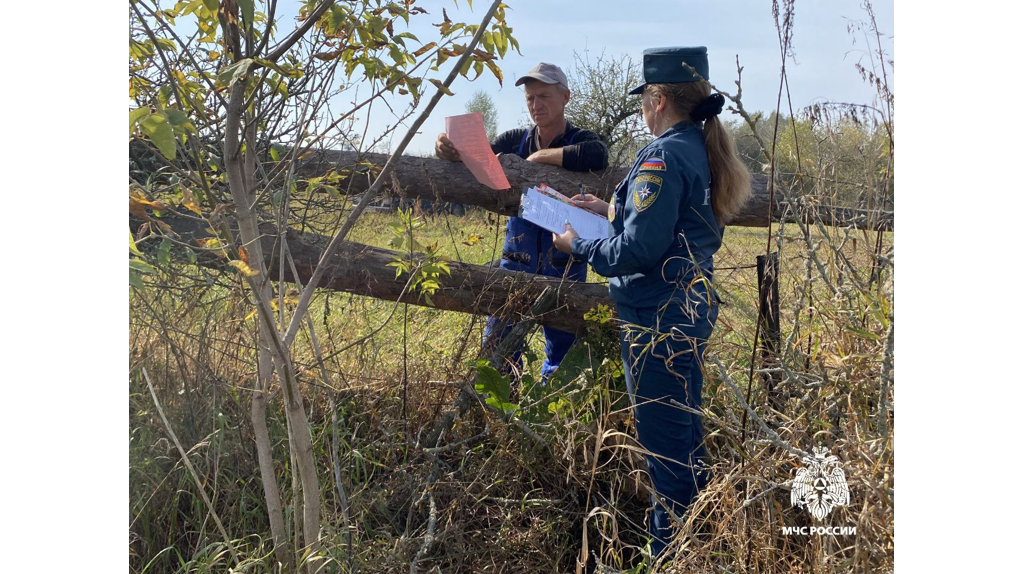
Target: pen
{"x": 582, "y": 194}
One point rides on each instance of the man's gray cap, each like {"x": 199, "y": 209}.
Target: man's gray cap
{"x": 547, "y": 73}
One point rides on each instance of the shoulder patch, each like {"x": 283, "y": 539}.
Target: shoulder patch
{"x": 646, "y": 188}
{"x": 653, "y": 163}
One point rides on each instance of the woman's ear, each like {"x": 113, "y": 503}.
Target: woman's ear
{"x": 661, "y": 103}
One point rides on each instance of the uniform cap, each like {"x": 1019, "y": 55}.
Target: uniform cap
{"x": 665, "y": 66}
{"x": 547, "y": 73}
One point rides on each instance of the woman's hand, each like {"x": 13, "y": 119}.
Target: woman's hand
{"x": 563, "y": 242}
{"x": 590, "y": 202}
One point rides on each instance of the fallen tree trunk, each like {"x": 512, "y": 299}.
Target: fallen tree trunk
{"x": 364, "y": 270}
{"x": 441, "y": 180}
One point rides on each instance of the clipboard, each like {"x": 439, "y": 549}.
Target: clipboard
{"x": 549, "y": 209}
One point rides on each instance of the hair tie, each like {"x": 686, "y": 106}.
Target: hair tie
{"x": 708, "y": 108}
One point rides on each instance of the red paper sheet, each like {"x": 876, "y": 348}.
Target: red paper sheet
{"x": 467, "y": 134}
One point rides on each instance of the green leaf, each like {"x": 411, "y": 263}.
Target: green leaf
{"x": 559, "y": 407}
{"x": 499, "y": 42}
{"x": 576, "y": 363}
{"x": 231, "y": 74}
{"x": 166, "y": 44}
{"x": 191, "y": 256}
{"x": 163, "y": 253}
{"x": 140, "y": 266}
{"x": 160, "y": 132}
{"x": 276, "y": 150}
{"x": 211, "y": 5}
{"x": 246, "y": 8}
{"x": 397, "y": 54}
{"x": 288, "y": 72}
{"x": 489, "y": 380}
{"x": 333, "y": 192}
{"x": 131, "y": 244}
{"x": 134, "y": 116}
{"x": 179, "y": 120}
{"x": 863, "y": 333}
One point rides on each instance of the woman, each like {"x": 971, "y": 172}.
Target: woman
{"x": 667, "y": 218}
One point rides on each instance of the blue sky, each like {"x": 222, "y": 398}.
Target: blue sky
{"x": 823, "y": 67}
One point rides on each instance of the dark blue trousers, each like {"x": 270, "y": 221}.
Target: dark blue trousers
{"x": 662, "y": 354}
{"x": 528, "y": 248}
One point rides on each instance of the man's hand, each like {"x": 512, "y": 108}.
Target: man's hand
{"x": 444, "y": 149}
{"x": 563, "y": 242}
{"x": 548, "y": 156}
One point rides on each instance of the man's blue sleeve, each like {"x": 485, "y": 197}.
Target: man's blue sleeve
{"x": 651, "y": 213}
{"x": 588, "y": 153}
{"x": 507, "y": 142}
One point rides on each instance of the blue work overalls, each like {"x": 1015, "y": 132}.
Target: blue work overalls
{"x": 659, "y": 264}
{"x": 528, "y": 248}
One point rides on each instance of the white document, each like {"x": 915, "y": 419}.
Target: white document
{"x": 549, "y": 209}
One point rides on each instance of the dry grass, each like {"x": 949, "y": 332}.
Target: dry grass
{"x": 493, "y": 500}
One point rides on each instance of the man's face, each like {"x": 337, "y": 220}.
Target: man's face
{"x": 546, "y": 103}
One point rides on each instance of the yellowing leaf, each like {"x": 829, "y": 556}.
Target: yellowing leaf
{"x": 131, "y": 244}
{"x": 189, "y": 201}
{"x": 327, "y": 56}
{"x": 441, "y": 87}
{"x": 426, "y": 48}
{"x": 495, "y": 70}
{"x": 136, "y": 202}
{"x": 243, "y": 268}
{"x": 135, "y": 208}
{"x": 213, "y": 244}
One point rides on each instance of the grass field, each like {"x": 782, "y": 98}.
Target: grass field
{"x": 497, "y": 502}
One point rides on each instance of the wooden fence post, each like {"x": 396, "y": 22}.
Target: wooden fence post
{"x": 768, "y": 318}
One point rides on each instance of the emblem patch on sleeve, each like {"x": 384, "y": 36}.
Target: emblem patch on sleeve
{"x": 652, "y": 164}
{"x": 646, "y": 188}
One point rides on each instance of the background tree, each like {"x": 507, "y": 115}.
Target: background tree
{"x": 601, "y": 103}
{"x": 835, "y": 154}
{"x": 229, "y": 110}
{"x": 481, "y": 102}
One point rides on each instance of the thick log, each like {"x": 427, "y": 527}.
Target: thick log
{"x": 441, "y": 180}
{"x": 364, "y": 270}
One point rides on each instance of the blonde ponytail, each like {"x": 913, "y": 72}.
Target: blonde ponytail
{"x": 730, "y": 179}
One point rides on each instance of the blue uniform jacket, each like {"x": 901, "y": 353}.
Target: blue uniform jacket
{"x": 664, "y": 232}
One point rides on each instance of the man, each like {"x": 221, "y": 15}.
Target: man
{"x": 554, "y": 141}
